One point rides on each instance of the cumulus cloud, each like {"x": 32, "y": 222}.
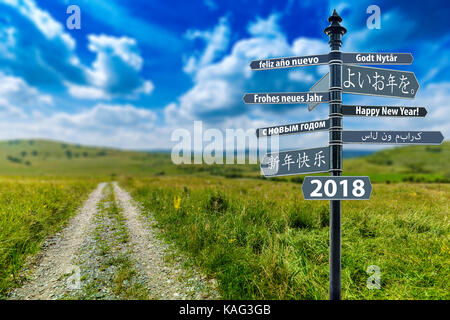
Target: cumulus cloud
{"x": 115, "y": 71}
{"x": 37, "y": 48}
{"x": 125, "y": 126}
{"x": 18, "y": 93}
{"x": 219, "y": 84}
{"x": 216, "y": 41}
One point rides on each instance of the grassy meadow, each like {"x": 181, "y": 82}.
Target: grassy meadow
{"x": 261, "y": 240}
{"x": 256, "y": 236}
{"x": 30, "y": 210}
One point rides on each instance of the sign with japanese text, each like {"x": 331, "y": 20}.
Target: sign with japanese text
{"x": 287, "y": 163}
{"x": 379, "y": 82}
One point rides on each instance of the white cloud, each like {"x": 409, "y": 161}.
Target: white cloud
{"x": 115, "y": 71}
{"x": 216, "y": 41}
{"x": 50, "y": 27}
{"x": 219, "y": 85}
{"x": 125, "y": 126}
{"x": 17, "y": 92}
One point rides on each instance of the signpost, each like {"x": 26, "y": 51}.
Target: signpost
{"x": 311, "y": 126}
{"x": 288, "y": 163}
{"x": 393, "y": 137}
{"x": 383, "y": 111}
{"x": 379, "y": 82}
{"x": 344, "y": 77}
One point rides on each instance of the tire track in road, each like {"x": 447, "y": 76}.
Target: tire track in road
{"x": 48, "y": 279}
{"x": 164, "y": 280}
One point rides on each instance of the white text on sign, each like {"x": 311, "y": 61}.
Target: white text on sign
{"x": 287, "y": 98}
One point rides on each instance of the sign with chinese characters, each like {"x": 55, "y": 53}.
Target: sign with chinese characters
{"x": 278, "y": 63}
{"x": 393, "y": 137}
{"x": 377, "y": 58}
{"x": 318, "y": 125}
{"x": 336, "y": 188}
{"x": 379, "y": 82}
{"x": 383, "y": 111}
{"x": 296, "y": 162}
{"x": 320, "y": 86}
{"x": 285, "y": 98}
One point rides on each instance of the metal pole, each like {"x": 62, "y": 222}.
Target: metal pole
{"x": 335, "y": 31}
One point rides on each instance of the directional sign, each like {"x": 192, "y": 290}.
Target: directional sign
{"x": 379, "y": 82}
{"x": 287, "y": 163}
{"x": 318, "y": 125}
{"x": 278, "y": 63}
{"x": 393, "y": 137}
{"x": 320, "y": 86}
{"x": 285, "y": 97}
{"x": 336, "y": 188}
{"x": 376, "y": 58}
{"x": 383, "y": 111}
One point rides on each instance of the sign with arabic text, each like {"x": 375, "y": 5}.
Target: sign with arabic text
{"x": 393, "y": 137}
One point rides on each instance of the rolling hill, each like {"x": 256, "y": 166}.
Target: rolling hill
{"x": 38, "y": 157}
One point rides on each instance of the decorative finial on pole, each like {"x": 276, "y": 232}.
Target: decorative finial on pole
{"x": 335, "y": 26}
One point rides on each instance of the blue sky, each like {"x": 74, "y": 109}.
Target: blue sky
{"x": 137, "y": 70}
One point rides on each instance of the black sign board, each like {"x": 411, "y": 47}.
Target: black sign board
{"x": 288, "y": 163}
{"x": 383, "y": 111}
{"x": 286, "y": 98}
{"x": 318, "y": 125}
{"x": 393, "y": 137}
{"x": 379, "y": 82}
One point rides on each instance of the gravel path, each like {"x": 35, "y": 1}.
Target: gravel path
{"x": 49, "y": 277}
{"x": 164, "y": 280}
{"x": 110, "y": 251}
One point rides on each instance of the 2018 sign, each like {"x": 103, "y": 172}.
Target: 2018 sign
{"x": 336, "y": 188}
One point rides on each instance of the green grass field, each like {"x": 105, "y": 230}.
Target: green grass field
{"x": 31, "y": 210}
{"x": 257, "y": 236}
{"x": 263, "y": 241}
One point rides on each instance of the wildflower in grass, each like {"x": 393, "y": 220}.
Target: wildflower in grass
{"x": 232, "y": 240}
{"x": 177, "y": 202}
